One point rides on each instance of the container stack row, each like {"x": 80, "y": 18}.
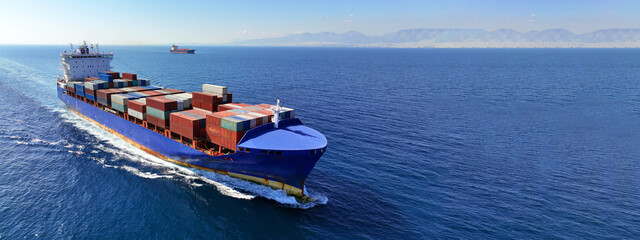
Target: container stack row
{"x": 227, "y": 126}
{"x": 189, "y": 123}
{"x": 206, "y": 115}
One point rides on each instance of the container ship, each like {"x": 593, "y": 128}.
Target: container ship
{"x": 262, "y": 143}
{"x": 175, "y": 49}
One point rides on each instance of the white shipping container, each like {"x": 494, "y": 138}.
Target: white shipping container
{"x": 136, "y": 114}
{"x": 214, "y": 89}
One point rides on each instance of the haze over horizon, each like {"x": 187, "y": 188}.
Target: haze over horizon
{"x": 218, "y": 22}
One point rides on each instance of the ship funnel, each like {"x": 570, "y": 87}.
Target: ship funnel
{"x": 276, "y": 116}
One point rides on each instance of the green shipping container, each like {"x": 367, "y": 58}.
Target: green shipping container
{"x": 235, "y": 123}
{"x": 158, "y": 113}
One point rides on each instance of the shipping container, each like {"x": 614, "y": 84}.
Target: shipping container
{"x": 139, "y": 105}
{"x": 164, "y": 115}
{"x": 214, "y": 118}
{"x": 214, "y": 89}
{"x": 235, "y": 123}
{"x": 162, "y": 103}
{"x": 163, "y": 123}
{"x": 80, "y": 89}
{"x": 130, "y": 76}
{"x": 190, "y": 123}
{"x": 136, "y": 114}
{"x": 115, "y": 75}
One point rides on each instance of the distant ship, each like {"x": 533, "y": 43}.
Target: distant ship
{"x": 175, "y": 49}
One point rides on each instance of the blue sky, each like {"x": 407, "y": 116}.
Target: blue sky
{"x": 215, "y": 22}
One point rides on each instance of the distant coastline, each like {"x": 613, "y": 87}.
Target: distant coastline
{"x": 458, "y": 38}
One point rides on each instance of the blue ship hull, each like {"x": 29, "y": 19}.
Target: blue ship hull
{"x": 287, "y": 170}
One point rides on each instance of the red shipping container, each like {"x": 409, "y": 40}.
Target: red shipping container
{"x": 235, "y": 136}
{"x": 162, "y": 103}
{"x": 214, "y": 118}
{"x": 137, "y": 106}
{"x": 206, "y": 98}
{"x": 209, "y": 107}
{"x": 89, "y": 79}
{"x": 152, "y": 93}
{"x": 188, "y": 132}
{"x": 217, "y": 130}
{"x": 130, "y": 76}
{"x": 157, "y": 121}
{"x": 188, "y": 119}
{"x": 228, "y": 143}
{"x": 90, "y": 92}
{"x": 214, "y": 138}
{"x": 106, "y": 93}
{"x": 229, "y": 98}
{"x": 115, "y": 75}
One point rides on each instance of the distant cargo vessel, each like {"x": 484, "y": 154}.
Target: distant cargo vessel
{"x": 261, "y": 143}
{"x": 175, "y": 49}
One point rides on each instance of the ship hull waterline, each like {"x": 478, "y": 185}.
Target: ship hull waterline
{"x": 175, "y": 152}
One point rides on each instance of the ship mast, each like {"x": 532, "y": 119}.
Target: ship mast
{"x": 276, "y": 116}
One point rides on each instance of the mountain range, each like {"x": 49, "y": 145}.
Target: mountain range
{"x": 459, "y": 38}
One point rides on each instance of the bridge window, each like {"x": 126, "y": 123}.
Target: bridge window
{"x": 278, "y": 153}
{"x": 263, "y": 152}
{"x": 313, "y": 151}
{"x": 241, "y": 149}
{"x": 271, "y": 152}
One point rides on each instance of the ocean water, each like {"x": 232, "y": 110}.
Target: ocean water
{"x": 423, "y": 144}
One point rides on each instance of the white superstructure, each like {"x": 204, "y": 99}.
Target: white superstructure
{"x": 84, "y": 62}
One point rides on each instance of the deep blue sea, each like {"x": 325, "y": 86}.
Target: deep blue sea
{"x": 423, "y": 144}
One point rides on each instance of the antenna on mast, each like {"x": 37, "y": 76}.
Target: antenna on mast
{"x": 98, "y": 48}
{"x": 71, "y": 47}
{"x": 276, "y": 116}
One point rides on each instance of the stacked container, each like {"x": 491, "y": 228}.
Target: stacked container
{"x": 159, "y": 110}
{"x": 183, "y": 100}
{"x": 119, "y": 101}
{"x": 141, "y": 82}
{"x": 206, "y": 101}
{"x": 190, "y": 124}
{"x": 71, "y": 86}
{"x": 90, "y": 88}
{"x": 130, "y": 76}
{"x": 80, "y": 89}
{"x": 220, "y": 91}
{"x": 103, "y": 96}
{"x": 137, "y": 108}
